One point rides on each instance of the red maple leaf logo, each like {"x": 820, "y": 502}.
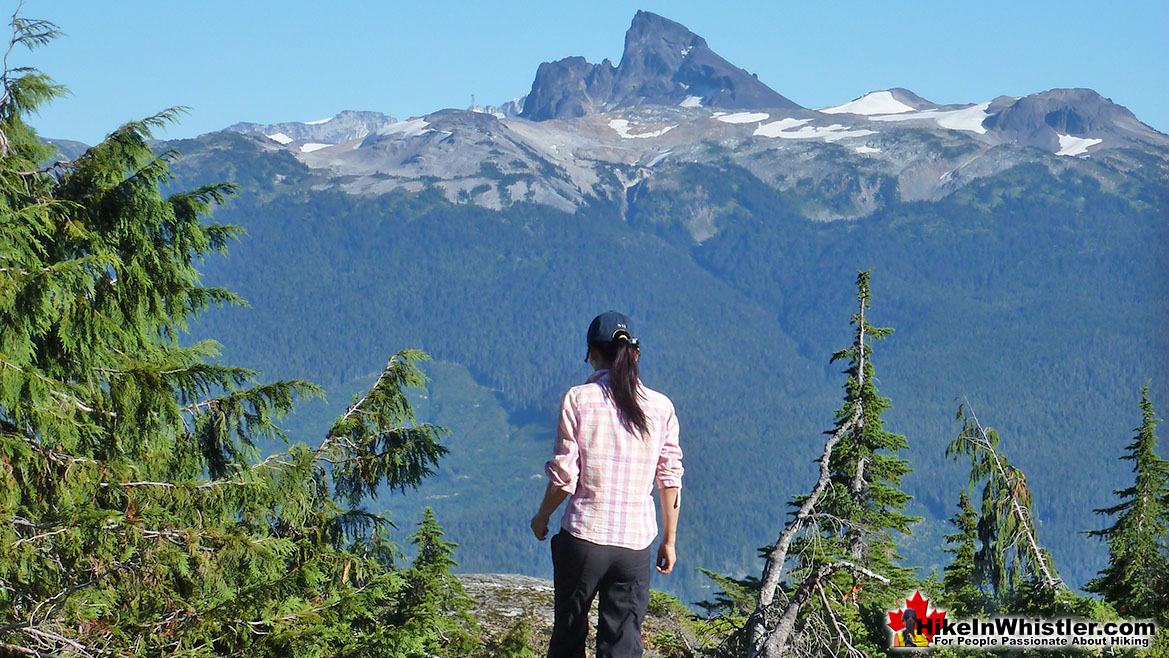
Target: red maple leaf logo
{"x": 931, "y": 619}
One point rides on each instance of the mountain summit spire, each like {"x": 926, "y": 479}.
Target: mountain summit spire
{"x": 664, "y": 63}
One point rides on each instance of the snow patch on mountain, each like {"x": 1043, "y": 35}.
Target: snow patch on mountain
{"x": 345, "y": 126}
{"x": 691, "y": 101}
{"x": 407, "y": 128}
{"x": 658, "y": 158}
{"x": 775, "y": 127}
{"x": 967, "y": 118}
{"x": 1072, "y": 146}
{"x": 313, "y": 146}
{"x": 621, "y": 127}
{"x": 877, "y": 102}
{"x": 783, "y": 129}
{"x": 744, "y": 117}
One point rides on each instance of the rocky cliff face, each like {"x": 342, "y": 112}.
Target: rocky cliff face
{"x": 663, "y": 64}
{"x": 1052, "y": 119}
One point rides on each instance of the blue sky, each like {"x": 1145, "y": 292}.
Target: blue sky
{"x": 297, "y": 60}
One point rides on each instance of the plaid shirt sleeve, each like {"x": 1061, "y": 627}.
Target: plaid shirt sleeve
{"x": 669, "y": 469}
{"x": 564, "y": 467}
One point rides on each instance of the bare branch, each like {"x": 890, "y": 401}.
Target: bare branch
{"x": 778, "y": 555}
{"x": 981, "y": 442}
{"x": 778, "y": 643}
{"x": 841, "y": 632}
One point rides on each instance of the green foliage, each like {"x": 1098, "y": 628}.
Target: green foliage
{"x": 675, "y": 632}
{"x": 516, "y": 643}
{"x": 720, "y": 625}
{"x": 863, "y": 505}
{"x": 136, "y": 517}
{"x": 435, "y": 604}
{"x": 1136, "y": 579}
{"x": 838, "y": 551}
{"x": 1010, "y": 552}
{"x": 961, "y": 586}
{"x": 365, "y": 453}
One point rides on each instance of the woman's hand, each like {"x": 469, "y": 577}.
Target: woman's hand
{"x": 553, "y": 496}
{"x": 539, "y": 526}
{"x": 666, "y": 558}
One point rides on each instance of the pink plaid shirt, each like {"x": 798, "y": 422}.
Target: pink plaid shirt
{"x": 608, "y": 471}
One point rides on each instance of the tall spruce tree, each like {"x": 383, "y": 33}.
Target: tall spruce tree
{"x": 961, "y": 581}
{"x": 865, "y": 504}
{"x": 1136, "y": 579}
{"x": 137, "y": 516}
{"x": 845, "y": 572}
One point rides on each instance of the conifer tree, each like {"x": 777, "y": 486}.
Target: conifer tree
{"x": 1011, "y": 558}
{"x": 961, "y": 581}
{"x": 434, "y": 555}
{"x": 846, "y": 573}
{"x": 864, "y": 504}
{"x": 1136, "y": 579}
{"x": 136, "y": 514}
{"x": 437, "y": 604}
{"x": 515, "y": 643}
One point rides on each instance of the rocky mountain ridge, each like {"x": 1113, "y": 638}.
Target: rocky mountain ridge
{"x": 302, "y": 135}
{"x": 590, "y": 133}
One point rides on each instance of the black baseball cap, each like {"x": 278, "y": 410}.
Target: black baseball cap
{"x": 608, "y": 327}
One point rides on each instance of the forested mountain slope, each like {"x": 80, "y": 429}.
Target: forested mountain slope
{"x": 1039, "y": 296}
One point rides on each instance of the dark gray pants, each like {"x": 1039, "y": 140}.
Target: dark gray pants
{"x": 581, "y": 570}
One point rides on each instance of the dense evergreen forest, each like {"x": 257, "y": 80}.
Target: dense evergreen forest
{"x": 158, "y": 498}
{"x": 1038, "y": 297}
{"x": 137, "y": 516}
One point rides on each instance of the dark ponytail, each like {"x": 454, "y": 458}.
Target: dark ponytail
{"x": 909, "y": 618}
{"x": 623, "y": 383}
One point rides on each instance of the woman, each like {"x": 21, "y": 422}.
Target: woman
{"x": 909, "y": 636}
{"x": 615, "y": 439}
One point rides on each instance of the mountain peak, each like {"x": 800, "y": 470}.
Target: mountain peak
{"x": 1052, "y": 118}
{"x": 663, "y": 63}
{"x": 885, "y": 101}
{"x": 653, "y": 37}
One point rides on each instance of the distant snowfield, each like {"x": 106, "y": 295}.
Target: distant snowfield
{"x": 968, "y": 118}
{"x": 658, "y": 158}
{"x": 279, "y": 138}
{"x": 877, "y": 102}
{"x": 318, "y": 122}
{"x": 743, "y": 117}
{"x": 313, "y": 146}
{"x": 621, "y": 127}
{"x": 1073, "y": 146}
{"x": 691, "y": 101}
{"x": 783, "y": 129}
{"x": 775, "y": 127}
{"x": 865, "y": 149}
{"x": 408, "y": 128}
